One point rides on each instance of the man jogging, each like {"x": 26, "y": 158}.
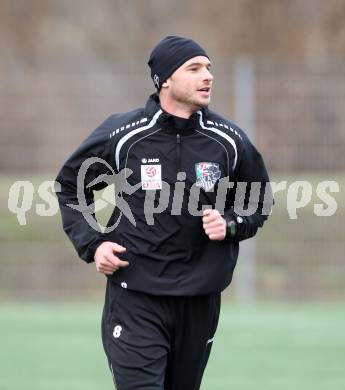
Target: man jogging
{"x": 183, "y": 179}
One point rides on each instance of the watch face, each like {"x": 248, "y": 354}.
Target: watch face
{"x": 232, "y": 228}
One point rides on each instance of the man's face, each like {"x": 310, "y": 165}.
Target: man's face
{"x": 190, "y": 85}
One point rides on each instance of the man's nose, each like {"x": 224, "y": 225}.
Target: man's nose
{"x": 208, "y": 75}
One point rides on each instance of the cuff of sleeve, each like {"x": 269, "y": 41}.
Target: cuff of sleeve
{"x": 90, "y": 254}
{"x": 236, "y": 224}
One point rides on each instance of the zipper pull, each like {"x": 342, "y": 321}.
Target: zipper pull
{"x": 178, "y": 151}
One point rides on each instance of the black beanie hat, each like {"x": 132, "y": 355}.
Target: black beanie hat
{"x": 169, "y": 54}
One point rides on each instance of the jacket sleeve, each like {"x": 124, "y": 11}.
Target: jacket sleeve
{"x": 251, "y": 198}
{"x": 95, "y": 152}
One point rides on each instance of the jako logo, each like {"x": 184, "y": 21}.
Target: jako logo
{"x": 145, "y": 160}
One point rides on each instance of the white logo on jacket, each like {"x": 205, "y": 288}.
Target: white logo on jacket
{"x": 145, "y": 160}
{"x": 151, "y": 177}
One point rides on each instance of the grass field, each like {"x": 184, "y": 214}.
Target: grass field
{"x": 262, "y": 347}
{"x": 296, "y": 346}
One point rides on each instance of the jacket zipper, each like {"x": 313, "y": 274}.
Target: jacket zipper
{"x": 178, "y": 152}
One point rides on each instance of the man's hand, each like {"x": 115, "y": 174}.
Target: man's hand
{"x": 106, "y": 260}
{"x": 214, "y": 224}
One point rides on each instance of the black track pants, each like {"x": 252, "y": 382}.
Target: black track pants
{"x": 157, "y": 342}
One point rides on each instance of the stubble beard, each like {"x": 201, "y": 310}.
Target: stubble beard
{"x": 193, "y": 103}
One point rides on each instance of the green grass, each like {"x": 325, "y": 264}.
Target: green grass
{"x": 262, "y": 347}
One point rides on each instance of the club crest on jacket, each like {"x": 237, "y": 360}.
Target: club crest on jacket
{"x": 207, "y": 174}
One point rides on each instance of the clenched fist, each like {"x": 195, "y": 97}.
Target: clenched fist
{"x": 214, "y": 224}
{"x": 106, "y": 260}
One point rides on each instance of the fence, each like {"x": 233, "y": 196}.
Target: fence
{"x": 299, "y": 121}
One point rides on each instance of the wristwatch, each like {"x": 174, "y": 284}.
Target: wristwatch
{"x": 231, "y": 228}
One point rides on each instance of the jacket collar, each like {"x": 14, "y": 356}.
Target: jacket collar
{"x": 152, "y": 105}
{"x": 169, "y": 121}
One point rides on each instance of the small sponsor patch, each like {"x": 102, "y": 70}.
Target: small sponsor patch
{"x": 151, "y": 177}
{"x": 207, "y": 174}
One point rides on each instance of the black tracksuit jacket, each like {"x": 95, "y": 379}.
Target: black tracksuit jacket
{"x": 169, "y": 253}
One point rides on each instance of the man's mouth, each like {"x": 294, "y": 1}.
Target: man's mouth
{"x": 205, "y": 89}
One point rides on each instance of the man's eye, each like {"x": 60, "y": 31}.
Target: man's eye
{"x": 193, "y": 69}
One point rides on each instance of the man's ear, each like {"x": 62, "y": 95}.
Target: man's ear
{"x": 166, "y": 83}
